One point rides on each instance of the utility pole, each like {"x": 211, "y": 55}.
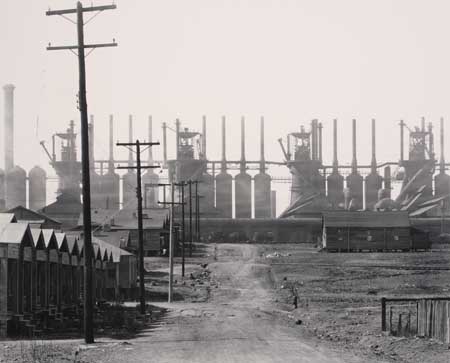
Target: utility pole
{"x": 197, "y": 212}
{"x": 171, "y": 204}
{"x": 138, "y": 168}
{"x": 190, "y": 218}
{"x": 80, "y": 47}
{"x": 183, "y": 235}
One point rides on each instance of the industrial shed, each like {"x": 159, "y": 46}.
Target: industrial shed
{"x": 374, "y": 231}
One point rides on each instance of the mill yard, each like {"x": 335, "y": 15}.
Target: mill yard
{"x": 236, "y": 303}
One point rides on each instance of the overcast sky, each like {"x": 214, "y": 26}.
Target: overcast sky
{"x": 289, "y": 60}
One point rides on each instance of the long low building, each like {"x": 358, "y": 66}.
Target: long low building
{"x": 42, "y": 276}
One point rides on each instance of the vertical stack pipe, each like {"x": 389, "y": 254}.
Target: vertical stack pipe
{"x": 224, "y": 182}
{"x": 262, "y": 183}
{"x": 110, "y": 194}
{"x": 206, "y": 187}
{"x": 16, "y": 177}
{"x": 243, "y": 183}
{"x": 335, "y": 180}
{"x": 129, "y": 182}
{"x": 150, "y": 178}
{"x": 373, "y": 181}
{"x": 96, "y": 188}
{"x": 355, "y": 180}
{"x": 442, "y": 180}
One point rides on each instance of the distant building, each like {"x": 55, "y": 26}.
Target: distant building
{"x": 35, "y": 219}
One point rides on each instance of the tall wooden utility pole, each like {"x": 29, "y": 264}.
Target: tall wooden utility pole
{"x": 181, "y": 185}
{"x": 191, "y": 236}
{"x": 88, "y": 258}
{"x": 138, "y": 168}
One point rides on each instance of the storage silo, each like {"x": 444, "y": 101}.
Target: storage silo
{"x": 374, "y": 181}
{"x": 16, "y": 187}
{"x": 129, "y": 182}
{"x": 110, "y": 195}
{"x": 243, "y": 184}
{"x": 354, "y": 179}
{"x": 442, "y": 180}
{"x": 335, "y": 180}
{"x": 262, "y": 183}
{"x": 224, "y": 183}
{"x": 37, "y": 188}
{"x": 150, "y": 179}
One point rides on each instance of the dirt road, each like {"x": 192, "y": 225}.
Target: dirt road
{"x": 239, "y": 323}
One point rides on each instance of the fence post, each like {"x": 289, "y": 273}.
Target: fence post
{"x": 390, "y": 319}
{"x": 399, "y": 325}
{"x": 383, "y": 314}
{"x": 447, "y": 340}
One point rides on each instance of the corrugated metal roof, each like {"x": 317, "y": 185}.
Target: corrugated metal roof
{"x": 115, "y": 251}
{"x": 13, "y": 233}
{"x": 6, "y": 218}
{"x": 366, "y": 219}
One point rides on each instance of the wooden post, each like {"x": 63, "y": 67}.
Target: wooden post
{"x": 399, "y": 325}
{"x": 383, "y": 314}
{"x": 390, "y": 320}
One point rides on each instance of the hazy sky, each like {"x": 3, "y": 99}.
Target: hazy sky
{"x": 288, "y": 60}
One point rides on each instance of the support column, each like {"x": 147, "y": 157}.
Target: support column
{"x": 3, "y": 290}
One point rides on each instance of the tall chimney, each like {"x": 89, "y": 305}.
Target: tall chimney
{"x": 262, "y": 164}
{"x": 111, "y": 145}
{"x": 164, "y": 127}
{"x": 320, "y": 142}
{"x": 204, "y": 137}
{"x": 177, "y": 138}
{"x": 91, "y": 143}
{"x": 130, "y": 139}
{"x": 402, "y": 142}
{"x": 288, "y": 146}
{"x": 423, "y": 124}
{"x": 442, "y": 161}
{"x": 335, "y": 157}
{"x": 374, "y": 156}
{"x": 354, "y": 161}
{"x": 431, "y": 140}
{"x": 242, "y": 144}
{"x": 313, "y": 140}
{"x": 224, "y": 159}
{"x": 9, "y": 126}
{"x": 150, "y": 139}
{"x": 387, "y": 181}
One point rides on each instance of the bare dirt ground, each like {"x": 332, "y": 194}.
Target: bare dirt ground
{"x": 235, "y": 305}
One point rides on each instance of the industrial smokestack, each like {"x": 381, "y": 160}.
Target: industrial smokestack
{"x": 111, "y": 145}
{"x": 402, "y": 142}
{"x": 313, "y": 140}
{"x": 335, "y": 157}
{"x": 374, "y": 157}
{"x": 150, "y": 139}
{"x": 177, "y": 138}
{"x": 243, "y": 144}
{"x": 320, "y": 142}
{"x": 91, "y": 143}
{"x": 164, "y": 127}
{"x": 387, "y": 181}
{"x": 423, "y": 124}
{"x": 130, "y": 139}
{"x": 354, "y": 161}
{"x": 224, "y": 164}
{"x": 9, "y": 126}
{"x": 204, "y": 137}
{"x": 431, "y": 140}
{"x": 262, "y": 158}
{"x": 442, "y": 160}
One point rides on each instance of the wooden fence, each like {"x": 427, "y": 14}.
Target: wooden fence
{"x": 422, "y": 317}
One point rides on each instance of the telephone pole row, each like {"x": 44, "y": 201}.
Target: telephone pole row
{"x": 138, "y": 168}
{"x": 80, "y": 47}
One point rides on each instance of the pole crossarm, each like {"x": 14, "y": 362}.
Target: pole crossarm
{"x": 140, "y": 143}
{"x": 84, "y": 10}
{"x": 75, "y": 47}
{"x": 172, "y": 203}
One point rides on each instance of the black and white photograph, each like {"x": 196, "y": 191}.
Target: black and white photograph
{"x": 221, "y": 181}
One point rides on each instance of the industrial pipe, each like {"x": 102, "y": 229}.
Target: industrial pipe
{"x": 204, "y": 137}
{"x": 111, "y": 145}
{"x": 130, "y": 139}
{"x": 354, "y": 161}
{"x": 402, "y": 142}
{"x": 335, "y": 157}
{"x": 374, "y": 156}
{"x": 263, "y": 160}
{"x": 243, "y": 144}
{"x": 177, "y": 138}
{"x": 9, "y": 126}
{"x": 320, "y": 142}
{"x": 442, "y": 161}
{"x": 150, "y": 139}
{"x": 164, "y": 127}
{"x": 224, "y": 158}
{"x": 313, "y": 140}
{"x": 431, "y": 140}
